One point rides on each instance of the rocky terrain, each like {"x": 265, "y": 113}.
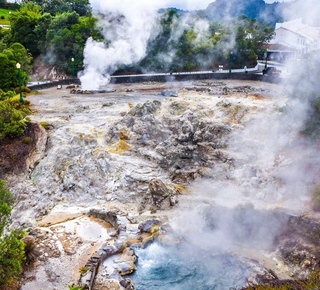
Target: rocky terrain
{"x": 137, "y": 161}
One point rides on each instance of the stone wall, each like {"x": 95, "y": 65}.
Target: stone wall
{"x": 168, "y": 78}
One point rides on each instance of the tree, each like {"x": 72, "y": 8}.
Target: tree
{"x": 8, "y": 60}
{"x": 9, "y": 77}
{"x": 11, "y": 120}
{"x": 40, "y": 30}
{"x": 55, "y": 7}
{"x": 23, "y": 23}
{"x": 11, "y": 246}
{"x": 66, "y": 38}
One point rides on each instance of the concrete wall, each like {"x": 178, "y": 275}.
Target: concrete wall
{"x": 168, "y": 78}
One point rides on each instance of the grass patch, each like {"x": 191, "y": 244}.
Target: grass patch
{"x": 45, "y": 125}
{"x": 5, "y": 14}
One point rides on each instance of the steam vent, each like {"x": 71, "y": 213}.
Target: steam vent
{"x": 161, "y": 145}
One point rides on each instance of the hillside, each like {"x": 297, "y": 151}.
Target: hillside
{"x": 222, "y": 10}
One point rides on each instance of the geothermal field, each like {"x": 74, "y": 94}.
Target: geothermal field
{"x": 184, "y": 184}
{"x": 161, "y": 145}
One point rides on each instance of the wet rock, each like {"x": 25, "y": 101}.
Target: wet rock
{"x": 149, "y": 226}
{"x": 107, "y": 284}
{"x": 159, "y": 192}
{"x": 169, "y": 93}
{"x": 127, "y": 284}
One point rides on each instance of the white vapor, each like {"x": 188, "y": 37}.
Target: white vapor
{"x": 130, "y": 23}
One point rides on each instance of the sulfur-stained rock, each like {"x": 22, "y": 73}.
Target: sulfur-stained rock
{"x": 148, "y": 225}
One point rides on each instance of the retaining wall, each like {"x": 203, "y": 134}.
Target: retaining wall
{"x": 168, "y": 78}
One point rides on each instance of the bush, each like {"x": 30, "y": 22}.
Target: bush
{"x": 11, "y": 120}
{"x": 316, "y": 199}
{"x": 44, "y": 125}
{"x": 6, "y": 95}
{"x": 30, "y": 250}
{"x": 18, "y": 106}
{"x": 11, "y": 246}
{"x": 27, "y": 140}
{"x": 23, "y": 89}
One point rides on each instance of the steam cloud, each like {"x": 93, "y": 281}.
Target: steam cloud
{"x": 276, "y": 168}
{"x": 127, "y": 26}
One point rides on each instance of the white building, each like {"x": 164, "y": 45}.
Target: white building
{"x": 293, "y": 39}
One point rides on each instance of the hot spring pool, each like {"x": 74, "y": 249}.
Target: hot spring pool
{"x": 181, "y": 267}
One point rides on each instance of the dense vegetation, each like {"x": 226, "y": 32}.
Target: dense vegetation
{"x": 199, "y": 44}
{"x": 57, "y": 31}
{"x": 11, "y": 246}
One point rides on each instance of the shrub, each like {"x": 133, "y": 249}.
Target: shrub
{"x": 11, "y": 246}
{"x": 24, "y": 90}
{"x": 11, "y": 120}
{"x": 30, "y": 250}
{"x": 27, "y": 140}
{"x": 18, "y": 106}
{"x": 5, "y": 95}
{"x": 44, "y": 125}
{"x": 316, "y": 199}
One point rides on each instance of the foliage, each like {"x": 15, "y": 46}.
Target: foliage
{"x": 11, "y": 246}
{"x": 30, "y": 250}
{"x": 23, "y": 23}
{"x": 251, "y": 38}
{"x": 312, "y": 283}
{"x": 23, "y": 89}
{"x": 9, "y": 57}
{"x": 205, "y": 45}
{"x": 66, "y": 38}
{"x": 45, "y": 125}
{"x": 312, "y": 127}
{"x": 27, "y": 140}
{"x": 11, "y": 120}
{"x": 75, "y": 287}
{"x": 11, "y": 256}
{"x": 55, "y": 7}
{"x": 83, "y": 270}
{"x": 4, "y": 15}
{"x": 6, "y": 202}
{"x": 316, "y": 198}
{"x": 5, "y": 95}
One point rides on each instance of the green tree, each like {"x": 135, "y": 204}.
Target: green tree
{"x": 8, "y": 60}
{"x": 40, "y": 30}
{"x": 23, "y": 23}
{"x": 11, "y": 120}
{"x": 66, "y": 38}
{"x": 9, "y": 77}
{"x": 56, "y": 7}
{"x": 11, "y": 246}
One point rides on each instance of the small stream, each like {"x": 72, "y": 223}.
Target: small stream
{"x": 181, "y": 267}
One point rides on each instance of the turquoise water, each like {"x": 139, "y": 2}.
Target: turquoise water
{"x": 181, "y": 267}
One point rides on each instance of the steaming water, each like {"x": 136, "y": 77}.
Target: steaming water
{"x": 181, "y": 267}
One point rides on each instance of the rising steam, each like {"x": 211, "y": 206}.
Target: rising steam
{"x": 127, "y": 25}
{"x": 276, "y": 168}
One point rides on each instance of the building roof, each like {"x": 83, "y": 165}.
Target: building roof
{"x": 304, "y": 30}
